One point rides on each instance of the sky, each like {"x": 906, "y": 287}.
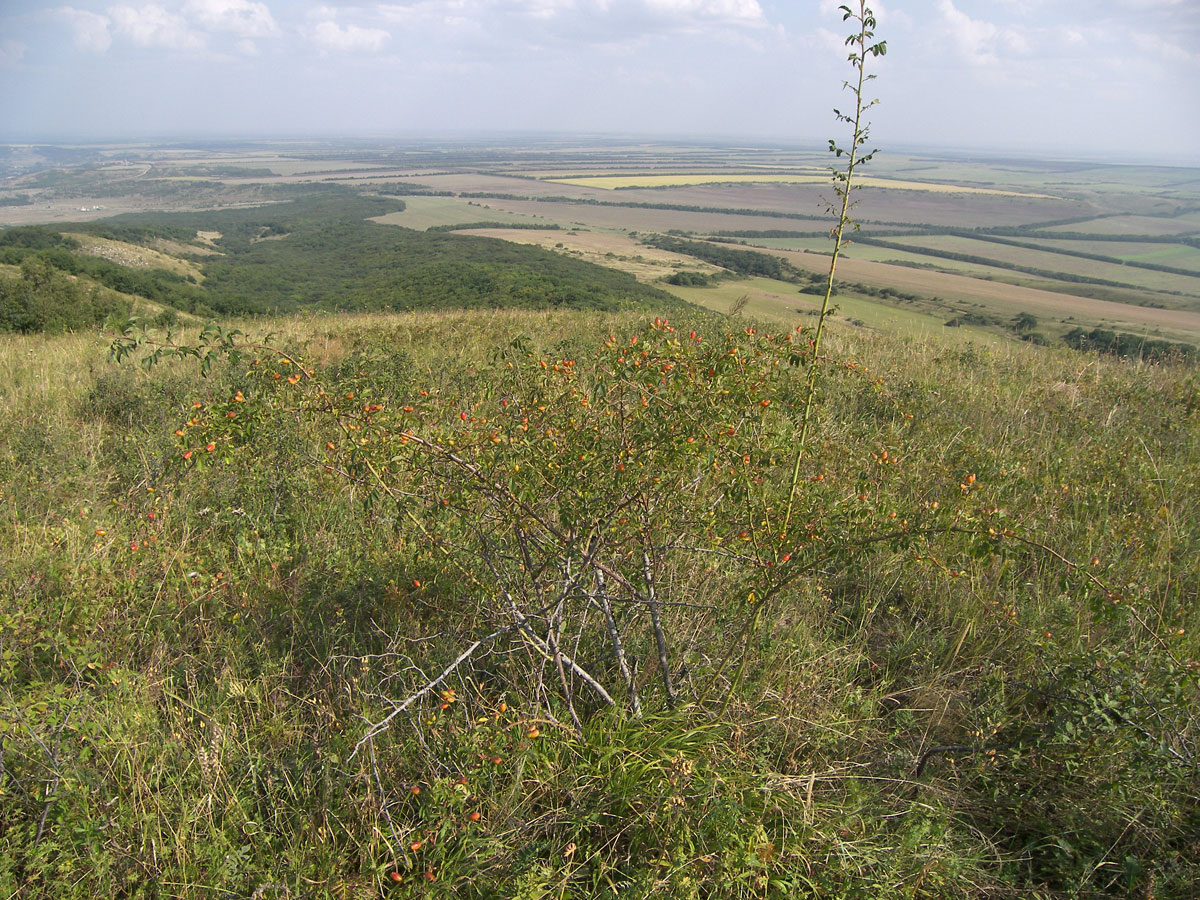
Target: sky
{"x": 1113, "y": 78}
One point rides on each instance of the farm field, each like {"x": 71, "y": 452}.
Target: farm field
{"x": 616, "y": 250}
{"x": 1143, "y": 278}
{"x": 1187, "y": 223}
{"x": 429, "y": 212}
{"x": 975, "y": 270}
{"x": 858, "y": 250}
{"x": 626, "y": 218}
{"x": 618, "y": 182}
{"x": 1168, "y": 254}
{"x": 1005, "y": 300}
{"x": 804, "y": 200}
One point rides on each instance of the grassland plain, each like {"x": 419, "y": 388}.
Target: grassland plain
{"x": 970, "y": 668}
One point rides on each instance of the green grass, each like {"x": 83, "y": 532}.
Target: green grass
{"x": 1132, "y": 224}
{"x": 1177, "y": 255}
{"x": 781, "y": 302}
{"x": 427, "y": 212}
{"x": 990, "y": 694}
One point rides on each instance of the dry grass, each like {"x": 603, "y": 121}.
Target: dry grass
{"x": 605, "y": 248}
{"x": 213, "y": 715}
{"x": 136, "y": 256}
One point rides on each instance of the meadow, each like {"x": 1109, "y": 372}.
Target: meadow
{"x": 514, "y": 604}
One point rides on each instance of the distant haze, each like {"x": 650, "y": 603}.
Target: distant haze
{"x": 1115, "y": 78}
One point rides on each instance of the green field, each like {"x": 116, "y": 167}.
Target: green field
{"x": 1188, "y": 223}
{"x": 780, "y": 302}
{"x": 1002, "y": 301}
{"x": 428, "y": 212}
{"x": 858, "y": 250}
{"x": 1052, "y": 262}
{"x": 1179, "y": 256}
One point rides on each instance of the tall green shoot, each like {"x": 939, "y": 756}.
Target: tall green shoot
{"x": 862, "y": 44}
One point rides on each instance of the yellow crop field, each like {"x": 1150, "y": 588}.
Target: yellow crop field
{"x": 613, "y": 182}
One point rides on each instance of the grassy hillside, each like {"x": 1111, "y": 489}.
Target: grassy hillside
{"x": 514, "y": 604}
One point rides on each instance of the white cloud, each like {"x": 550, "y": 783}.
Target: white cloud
{"x": 834, "y": 43}
{"x": 91, "y": 29}
{"x": 1153, "y": 4}
{"x": 578, "y": 16}
{"x": 978, "y": 42}
{"x": 335, "y": 38}
{"x": 243, "y": 18}
{"x": 11, "y": 52}
{"x": 740, "y": 12}
{"x": 541, "y": 9}
{"x": 155, "y": 26}
{"x": 185, "y": 28}
{"x": 428, "y": 12}
{"x": 1163, "y": 49}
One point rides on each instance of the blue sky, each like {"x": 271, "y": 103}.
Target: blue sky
{"x": 1112, "y": 77}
